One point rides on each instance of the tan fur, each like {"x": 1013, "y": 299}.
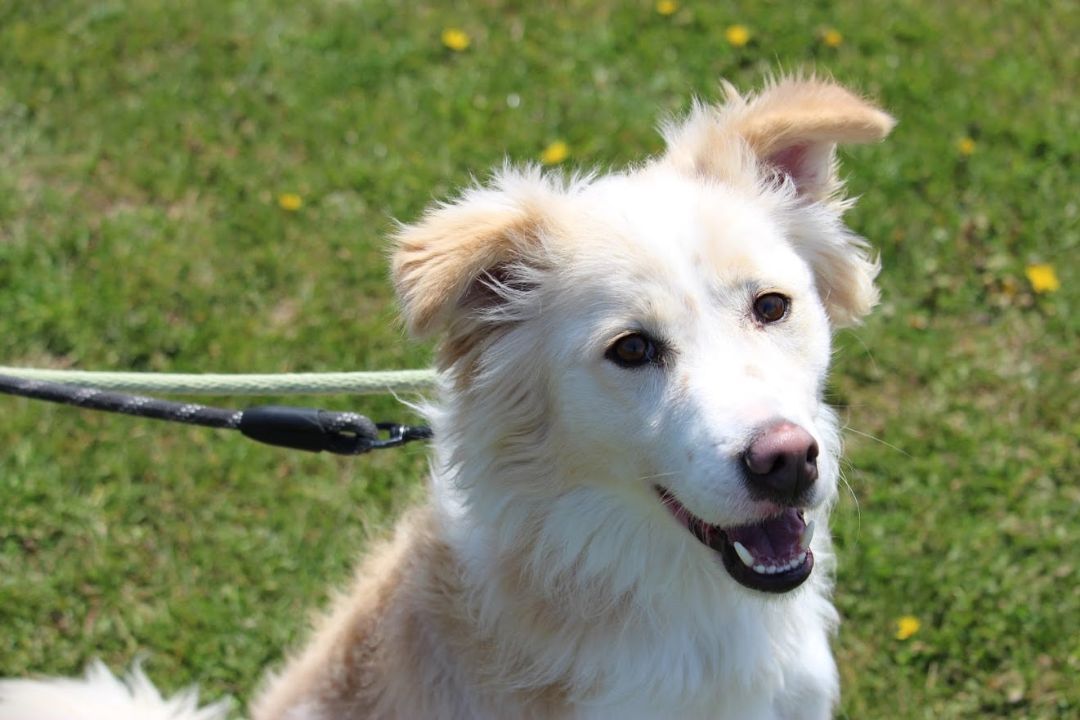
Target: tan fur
{"x": 382, "y": 651}
{"x": 792, "y": 111}
{"x": 440, "y": 264}
{"x": 438, "y": 258}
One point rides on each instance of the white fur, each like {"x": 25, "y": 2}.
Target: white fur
{"x": 98, "y": 695}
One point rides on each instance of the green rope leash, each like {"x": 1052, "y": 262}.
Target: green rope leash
{"x": 351, "y": 383}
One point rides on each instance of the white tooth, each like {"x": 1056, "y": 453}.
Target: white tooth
{"x": 744, "y": 554}
{"x": 807, "y": 534}
{"x": 760, "y": 569}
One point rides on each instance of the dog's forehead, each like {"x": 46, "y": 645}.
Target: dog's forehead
{"x": 665, "y": 223}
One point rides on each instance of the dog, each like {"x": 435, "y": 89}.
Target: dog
{"x": 633, "y": 462}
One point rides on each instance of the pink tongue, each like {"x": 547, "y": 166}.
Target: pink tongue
{"x": 776, "y": 538}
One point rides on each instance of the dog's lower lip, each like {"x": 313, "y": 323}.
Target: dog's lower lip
{"x": 772, "y": 569}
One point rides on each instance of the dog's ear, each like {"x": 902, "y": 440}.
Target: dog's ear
{"x": 457, "y": 259}
{"x": 792, "y": 128}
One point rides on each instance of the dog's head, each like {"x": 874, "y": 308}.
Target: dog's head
{"x": 660, "y": 336}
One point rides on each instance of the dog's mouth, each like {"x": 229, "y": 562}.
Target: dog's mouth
{"x": 772, "y": 555}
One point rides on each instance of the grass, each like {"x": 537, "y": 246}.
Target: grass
{"x": 143, "y": 148}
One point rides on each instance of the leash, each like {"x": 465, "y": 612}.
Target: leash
{"x": 352, "y": 383}
{"x": 310, "y": 429}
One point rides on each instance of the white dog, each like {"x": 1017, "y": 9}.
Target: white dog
{"x": 632, "y": 451}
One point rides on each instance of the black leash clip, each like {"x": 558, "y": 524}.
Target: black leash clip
{"x": 341, "y": 433}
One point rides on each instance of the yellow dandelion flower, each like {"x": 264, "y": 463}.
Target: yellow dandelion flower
{"x": 455, "y": 39}
{"x": 965, "y": 145}
{"x": 555, "y": 153}
{"x": 667, "y": 7}
{"x": 290, "y": 201}
{"x": 737, "y": 35}
{"x": 907, "y": 626}
{"x": 832, "y": 38}
{"x": 1043, "y": 278}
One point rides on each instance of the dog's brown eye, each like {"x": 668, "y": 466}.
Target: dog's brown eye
{"x": 771, "y": 307}
{"x": 633, "y": 350}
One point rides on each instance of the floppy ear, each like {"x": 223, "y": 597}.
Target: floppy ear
{"x": 794, "y": 126}
{"x": 453, "y": 261}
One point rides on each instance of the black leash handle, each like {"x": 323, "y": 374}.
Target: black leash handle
{"x": 342, "y": 433}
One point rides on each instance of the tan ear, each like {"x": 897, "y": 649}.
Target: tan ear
{"x": 449, "y": 259}
{"x": 792, "y": 127}
{"x": 795, "y": 126}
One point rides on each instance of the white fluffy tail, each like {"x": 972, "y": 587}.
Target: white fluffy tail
{"x": 101, "y": 696}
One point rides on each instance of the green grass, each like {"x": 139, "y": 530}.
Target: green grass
{"x": 143, "y": 146}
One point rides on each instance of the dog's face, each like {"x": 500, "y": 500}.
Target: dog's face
{"x": 663, "y": 335}
{"x": 688, "y": 335}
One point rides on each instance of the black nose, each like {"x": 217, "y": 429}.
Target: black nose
{"x": 781, "y": 462}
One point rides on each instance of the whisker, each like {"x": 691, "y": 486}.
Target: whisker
{"x": 866, "y": 349}
{"x": 858, "y": 507}
{"x": 655, "y": 477}
{"x": 848, "y": 428}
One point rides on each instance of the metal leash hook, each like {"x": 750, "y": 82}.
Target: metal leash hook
{"x": 398, "y": 434}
